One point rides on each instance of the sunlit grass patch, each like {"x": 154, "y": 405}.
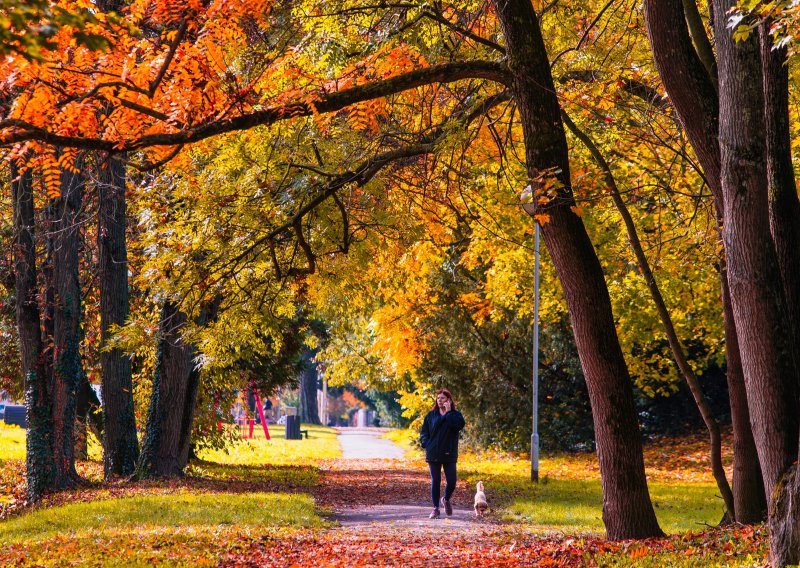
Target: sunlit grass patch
{"x": 166, "y": 511}
{"x": 405, "y": 438}
{"x": 568, "y": 497}
{"x": 12, "y": 442}
{"x": 288, "y": 476}
{"x": 320, "y": 445}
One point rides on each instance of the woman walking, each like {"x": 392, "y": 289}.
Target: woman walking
{"x": 439, "y": 437}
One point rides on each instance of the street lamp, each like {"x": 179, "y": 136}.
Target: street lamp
{"x": 527, "y": 198}
{"x": 535, "y": 431}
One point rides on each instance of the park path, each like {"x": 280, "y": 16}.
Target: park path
{"x": 379, "y": 501}
{"x": 366, "y": 443}
{"x": 400, "y": 498}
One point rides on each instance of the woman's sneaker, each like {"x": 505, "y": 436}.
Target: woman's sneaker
{"x": 434, "y": 514}
{"x": 448, "y": 508}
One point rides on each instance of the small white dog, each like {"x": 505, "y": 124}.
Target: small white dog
{"x": 481, "y": 506}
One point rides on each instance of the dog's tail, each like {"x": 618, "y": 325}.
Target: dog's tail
{"x": 480, "y": 486}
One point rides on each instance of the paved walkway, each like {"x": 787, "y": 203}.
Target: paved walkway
{"x": 385, "y": 490}
{"x": 364, "y": 443}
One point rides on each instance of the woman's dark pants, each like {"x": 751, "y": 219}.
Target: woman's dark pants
{"x": 436, "y": 480}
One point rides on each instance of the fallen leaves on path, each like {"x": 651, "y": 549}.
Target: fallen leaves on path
{"x": 373, "y": 482}
{"x": 382, "y": 546}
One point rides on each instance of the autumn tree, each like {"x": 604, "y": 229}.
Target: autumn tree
{"x": 181, "y": 87}
{"x": 689, "y": 84}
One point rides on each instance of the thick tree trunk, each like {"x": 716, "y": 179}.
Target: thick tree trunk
{"x": 784, "y": 206}
{"x": 784, "y": 217}
{"x": 40, "y": 474}
{"x": 749, "y": 499}
{"x": 785, "y": 520}
{"x": 757, "y": 295}
{"x": 207, "y": 314}
{"x": 187, "y": 420}
{"x": 627, "y": 510}
{"x": 161, "y": 450}
{"x": 715, "y": 438}
{"x": 67, "y": 368}
{"x": 119, "y": 432}
{"x": 694, "y": 96}
{"x": 308, "y": 390}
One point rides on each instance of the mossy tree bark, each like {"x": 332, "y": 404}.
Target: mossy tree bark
{"x": 67, "y": 366}
{"x": 170, "y": 419}
{"x": 40, "y": 473}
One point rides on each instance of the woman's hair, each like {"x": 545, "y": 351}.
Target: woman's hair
{"x": 446, "y": 393}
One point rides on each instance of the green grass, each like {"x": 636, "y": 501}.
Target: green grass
{"x": 575, "y": 506}
{"x": 404, "y": 437}
{"x": 169, "y": 511}
{"x": 12, "y": 442}
{"x": 320, "y": 445}
{"x": 257, "y": 488}
{"x": 568, "y": 498}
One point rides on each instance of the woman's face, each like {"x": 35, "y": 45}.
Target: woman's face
{"x": 440, "y": 400}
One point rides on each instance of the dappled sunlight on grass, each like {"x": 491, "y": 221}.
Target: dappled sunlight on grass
{"x": 568, "y": 498}
{"x": 12, "y": 442}
{"x": 259, "y": 487}
{"x": 320, "y": 445}
{"x": 175, "y": 509}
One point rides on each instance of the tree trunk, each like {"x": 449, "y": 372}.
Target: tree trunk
{"x": 308, "y": 390}
{"x": 785, "y": 520}
{"x": 784, "y": 217}
{"x": 161, "y": 450}
{"x": 678, "y": 353}
{"x": 690, "y": 88}
{"x": 784, "y": 206}
{"x": 67, "y": 368}
{"x": 187, "y": 420}
{"x": 627, "y": 510}
{"x": 759, "y": 304}
{"x": 40, "y": 474}
{"x": 749, "y": 499}
{"x": 119, "y": 432}
{"x": 207, "y": 314}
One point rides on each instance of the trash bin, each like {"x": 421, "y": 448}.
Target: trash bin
{"x": 292, "y": 427}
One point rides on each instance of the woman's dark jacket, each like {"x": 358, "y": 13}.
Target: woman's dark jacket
{"x": 439, "y": 436}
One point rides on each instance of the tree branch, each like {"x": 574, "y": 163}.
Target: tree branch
{"x": 323, "y": 103}
{"x": 438, "y": 17}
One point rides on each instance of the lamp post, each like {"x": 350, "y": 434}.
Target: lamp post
{"x": 535, "y": 431}
{"x": 529, "y": 207}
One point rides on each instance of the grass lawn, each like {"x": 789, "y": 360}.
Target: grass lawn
{"x": 258, "y": 487}
{"x": 12, "y": 442}
{"x": 567, "y": 503}
{"x": 320, "y": 445}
